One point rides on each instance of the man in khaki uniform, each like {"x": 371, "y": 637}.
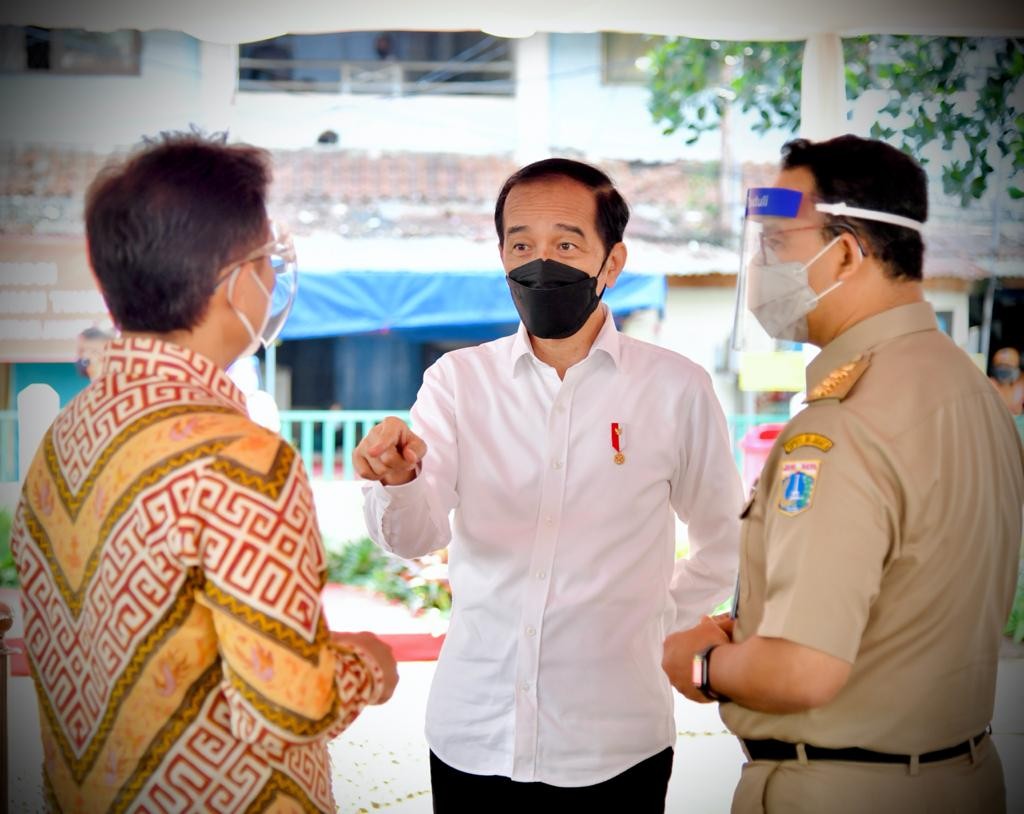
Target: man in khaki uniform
{"x": 879, "y": 549}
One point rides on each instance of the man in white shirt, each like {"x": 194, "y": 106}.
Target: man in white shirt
{"x": 564, "y": 451}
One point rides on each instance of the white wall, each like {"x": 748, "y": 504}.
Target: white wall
{"x": 443, "y": 124}
{"x": 958, "y": 303}
{"x": 561, "y": 104}
{"x": 103, "y": 112}
{"x": 697, "y": 324}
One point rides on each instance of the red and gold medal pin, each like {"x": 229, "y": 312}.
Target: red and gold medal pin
{"x": 617, "y": 443}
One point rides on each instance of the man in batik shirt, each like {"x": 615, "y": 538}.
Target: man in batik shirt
{"x": 167, "y": 546}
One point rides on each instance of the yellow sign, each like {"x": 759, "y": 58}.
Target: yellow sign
{"x": 772, "y": 370}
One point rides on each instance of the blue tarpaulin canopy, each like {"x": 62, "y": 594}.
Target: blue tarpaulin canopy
{"x": 357, "y": 302}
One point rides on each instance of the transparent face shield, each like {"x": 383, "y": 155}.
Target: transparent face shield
{"x": 773, "y": 296}
{"x": 280, "y": 253}
{"x": 286, "y": 283}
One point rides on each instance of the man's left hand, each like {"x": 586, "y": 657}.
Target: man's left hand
{"x": 677, "y": 660}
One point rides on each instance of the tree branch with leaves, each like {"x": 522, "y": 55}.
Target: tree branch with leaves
{"x": 963, "y": 94}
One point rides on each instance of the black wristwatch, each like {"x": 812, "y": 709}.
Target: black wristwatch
{"x": 702, "y": 676}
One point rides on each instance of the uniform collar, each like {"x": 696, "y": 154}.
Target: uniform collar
{"x": 871, "y": 332}
{"x": 144, "y": 357}
{"x": 606, "y": 341}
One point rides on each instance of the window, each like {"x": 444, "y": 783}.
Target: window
{"x": 69, "y": 51}
{"x": 380, "y": 62}
{"x": 623, "y": 55}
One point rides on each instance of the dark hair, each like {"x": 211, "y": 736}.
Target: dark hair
{"x": 163, "y": 222}
{"x": 95, "y": 333}
{"x": 869, "y": 174}
{"x": 612, "y": 211}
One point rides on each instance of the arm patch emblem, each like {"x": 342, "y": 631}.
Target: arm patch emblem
{"x": 799, "y": 479}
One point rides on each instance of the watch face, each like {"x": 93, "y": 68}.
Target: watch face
{"x": 697, "y": 674}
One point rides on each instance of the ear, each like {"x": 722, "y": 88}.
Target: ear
{"x": 852, "y": 257}
{"x": 222, "y": 293}
{"x": 615, "y": 263}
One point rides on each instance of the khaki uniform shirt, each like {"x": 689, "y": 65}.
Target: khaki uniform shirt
{"x": 885, "y": 531}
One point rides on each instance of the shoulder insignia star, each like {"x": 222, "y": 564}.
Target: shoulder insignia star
{"x": 839, "y": 383}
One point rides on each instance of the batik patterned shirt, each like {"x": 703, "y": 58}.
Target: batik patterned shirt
{"x": 171, "y": 568}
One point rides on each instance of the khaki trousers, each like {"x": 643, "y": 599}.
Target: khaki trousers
{"x": 971, "y": 784}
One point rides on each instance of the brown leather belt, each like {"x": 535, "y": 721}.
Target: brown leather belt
{"x": 771, "y": 749}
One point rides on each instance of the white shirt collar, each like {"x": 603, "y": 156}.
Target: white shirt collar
{"x": 607, "y": 340}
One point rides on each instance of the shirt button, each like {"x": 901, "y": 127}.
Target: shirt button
{"x": 559, "y": 408}
{"x": 549, "y": 520}
{"x": 556, "y": 464}
{"x": 541, "y": 575}
{"x": 525, "y": 686}
{"x": 531, "y": 631}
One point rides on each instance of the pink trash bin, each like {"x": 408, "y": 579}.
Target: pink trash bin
{"x": 756, "y": 445}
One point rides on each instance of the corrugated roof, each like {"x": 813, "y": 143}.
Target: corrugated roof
{"x": 393, "y": 197}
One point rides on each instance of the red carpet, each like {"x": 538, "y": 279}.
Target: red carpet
{"x": 414, "y": 646}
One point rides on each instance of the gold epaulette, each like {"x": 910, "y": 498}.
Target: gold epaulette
{"x": 839, "y": 383}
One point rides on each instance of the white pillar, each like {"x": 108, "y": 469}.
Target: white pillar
{"x": 823, "y": 89}
{"x": 532, "y": 67}
{"x": 38, "y": 405}
{"x": 218, "y": 80}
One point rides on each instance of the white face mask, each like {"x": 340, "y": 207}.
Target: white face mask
{"x": 254, "y": 336}
{"x": 780, "y": 298}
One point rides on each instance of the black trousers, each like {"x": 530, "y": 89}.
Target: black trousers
{"x": 638, "y": 790}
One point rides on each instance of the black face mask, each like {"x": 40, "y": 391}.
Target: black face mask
{"x": 1005, "y": 374}
{"x": 553, "y": 299}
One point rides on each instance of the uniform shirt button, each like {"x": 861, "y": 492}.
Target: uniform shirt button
{"x": 526, "y": 686}
{"x": 556, "y": 464}
{"x": 541, "y": 575}
{"x": 530, "y": 631}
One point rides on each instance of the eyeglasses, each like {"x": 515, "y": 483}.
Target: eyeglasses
{"x": 280, "y": 249}
{"x": 772, "y": 241}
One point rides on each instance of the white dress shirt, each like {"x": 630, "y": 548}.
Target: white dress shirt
{"x": 562, "y": 562}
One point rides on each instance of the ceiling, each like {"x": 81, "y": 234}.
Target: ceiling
{"x": 249, "y": 20}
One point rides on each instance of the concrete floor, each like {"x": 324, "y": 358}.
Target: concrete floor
{"x": 381, "y": 761}
{"x": 387, "y": 755}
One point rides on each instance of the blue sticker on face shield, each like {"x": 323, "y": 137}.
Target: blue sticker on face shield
{"x": 773, "y": 202}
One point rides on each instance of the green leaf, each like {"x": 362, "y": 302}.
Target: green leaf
{"x": 923, "y": 72}
{"x": 1016, "y": 193}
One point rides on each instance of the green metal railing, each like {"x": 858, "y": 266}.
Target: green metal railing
{"x": 8, "y": 445}
{"x": 325, "y": 438}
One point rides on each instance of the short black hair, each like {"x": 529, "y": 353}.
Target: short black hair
{"x": 162, "y": 222}
{"x": 869, "y": 174}
{"x": 612, "y": 211}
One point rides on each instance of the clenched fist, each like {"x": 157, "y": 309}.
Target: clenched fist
{"x": 380, "y": 652}
{"x": 389, "y": 453}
